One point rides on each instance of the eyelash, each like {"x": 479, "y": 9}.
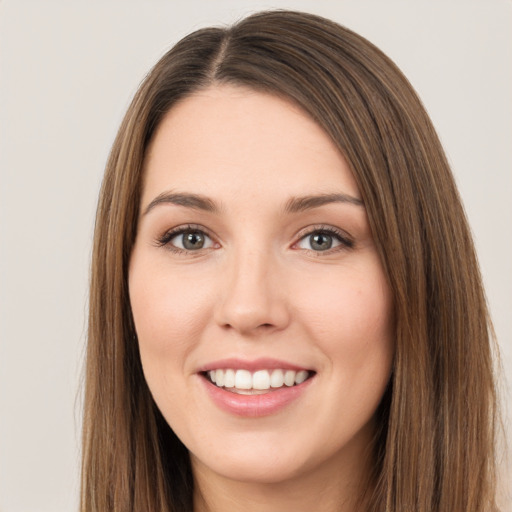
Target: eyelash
{"x": 165, "y": 239}
{"x": 346, "y": 242}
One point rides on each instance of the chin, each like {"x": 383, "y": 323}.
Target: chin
{"x": 254, "y": 470}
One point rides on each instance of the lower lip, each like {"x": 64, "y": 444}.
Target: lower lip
{"x": 255, "y": 405}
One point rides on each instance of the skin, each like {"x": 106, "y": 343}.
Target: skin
{"x": 258, "y": 288}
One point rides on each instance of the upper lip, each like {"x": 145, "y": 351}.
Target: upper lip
{"x": 251, "y": 365}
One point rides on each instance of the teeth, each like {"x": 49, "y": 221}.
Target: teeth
{"x": 229, "y": 378}
{"x": 243, "y": 379}
{"x": 301, "y": 376}
{"x": 289, "y": 377}
{"x": 219, "y": 378}
{"x": 261, "y": 380}
{"x": 277, "y": 379}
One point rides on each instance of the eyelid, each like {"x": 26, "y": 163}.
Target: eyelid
{"x": 165, "y": 239}
{"x": 345, "y": 239}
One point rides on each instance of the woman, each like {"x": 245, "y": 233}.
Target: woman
{"x": 286, "y": 308}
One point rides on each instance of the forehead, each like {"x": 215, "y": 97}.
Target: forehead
{"x": 230, "y": 140}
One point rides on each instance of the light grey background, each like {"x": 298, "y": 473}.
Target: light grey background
{"x": 67, "y": 72}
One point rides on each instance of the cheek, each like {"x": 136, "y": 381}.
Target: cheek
{"x": 350, "y": 316}
{"x": 168, "y": 310}
{"x": 351, "y": 306}
{"x": 169, "y": 315}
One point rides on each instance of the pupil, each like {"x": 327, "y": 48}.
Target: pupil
{"x": 321, "y": 242}
{"x": 193, "y": 240}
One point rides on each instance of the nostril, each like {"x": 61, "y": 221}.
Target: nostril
{"x": 266, "y": 326}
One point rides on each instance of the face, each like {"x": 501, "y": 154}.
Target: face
{"x": 261, "y": 308}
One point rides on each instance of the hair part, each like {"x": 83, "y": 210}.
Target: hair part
{"x": 434, "y": 448}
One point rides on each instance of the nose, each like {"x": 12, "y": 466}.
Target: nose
{"x": 253, "y": 298}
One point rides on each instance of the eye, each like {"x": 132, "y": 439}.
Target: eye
{"x": 186, "y": 239}
{"x": 324, "y": 239}
{"x": 318, "y": 241}
{"x": 191, "y": 240}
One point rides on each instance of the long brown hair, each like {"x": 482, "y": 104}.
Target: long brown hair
{"x": 434, "y": 449}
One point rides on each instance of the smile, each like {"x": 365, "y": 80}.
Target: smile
{"x": 255, "y": 388}
{"x": 246, "y": 382}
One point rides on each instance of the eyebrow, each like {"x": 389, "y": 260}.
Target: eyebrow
{"x": 293, "y": 205}
{"x": 300, "y": 204}
{"x": 195, "y": 201}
